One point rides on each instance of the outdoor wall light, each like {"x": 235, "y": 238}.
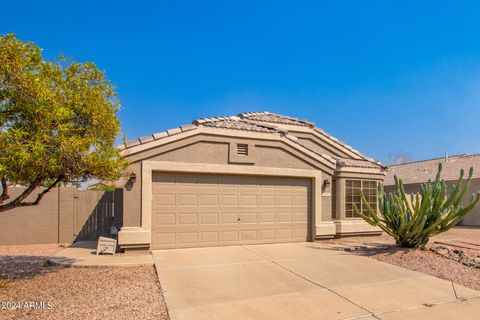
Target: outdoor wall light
{"x": 326, "y": 183}
{"x": 133, "y": 177}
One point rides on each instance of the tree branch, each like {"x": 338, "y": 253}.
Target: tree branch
{"x": 18, "y": 201}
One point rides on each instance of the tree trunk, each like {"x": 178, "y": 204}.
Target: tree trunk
{"x": 5, "y": 194}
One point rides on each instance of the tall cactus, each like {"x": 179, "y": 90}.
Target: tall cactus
{"x": 412, "y": 219}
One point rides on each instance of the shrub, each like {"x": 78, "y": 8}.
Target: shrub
{"x": 412, "y": 219}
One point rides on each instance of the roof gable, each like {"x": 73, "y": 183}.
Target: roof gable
{"x": 262, "y": 123}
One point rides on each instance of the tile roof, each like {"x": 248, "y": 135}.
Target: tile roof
{"x": 234, "y": 123}
{"x": 264, "y": 122}
{"x": 157, "y": 136}
{"x": 421, "y": 171}
{"x": 354, "y": 163}
{"x": 266, "y": 116}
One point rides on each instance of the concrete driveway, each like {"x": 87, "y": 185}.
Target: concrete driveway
{"x": 302, "y": 281}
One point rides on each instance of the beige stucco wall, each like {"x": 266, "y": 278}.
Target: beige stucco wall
{"x": 318, "y": 145}
{"x": 215, "y": 151}
{"x": 212, "y": 150}
{"x": 132, "y": 197}
{"x": 472, "y": 218}
{"x": 63, "y": 215}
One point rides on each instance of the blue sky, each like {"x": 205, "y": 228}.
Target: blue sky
{"x": 384, "y": 76}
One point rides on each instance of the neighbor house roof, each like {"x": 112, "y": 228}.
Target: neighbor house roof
{"x": 422, "y": 171}
{"x": 264, "y": 122}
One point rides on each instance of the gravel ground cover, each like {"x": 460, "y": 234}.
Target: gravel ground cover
{"x": 74, "y": 293}
{"x": 383, "y": 248}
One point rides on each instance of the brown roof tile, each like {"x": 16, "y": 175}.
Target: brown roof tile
{"x": 354, "y": 163}
{"x": 259, "y": 122}
{"x": 421, "y": 171}
{"x": 275, "y": 118}
{"x": 237, "y": 125}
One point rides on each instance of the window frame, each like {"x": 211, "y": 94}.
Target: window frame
{"x": 370, "y": 191}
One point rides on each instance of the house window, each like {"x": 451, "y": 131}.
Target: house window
{"x": 334, "y": 198}
{"x": 369, "y": 189}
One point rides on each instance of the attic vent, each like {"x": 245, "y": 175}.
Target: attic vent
{"x": 242, "y": 149}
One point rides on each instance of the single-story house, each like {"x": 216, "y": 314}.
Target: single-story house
{"x": 415, "y": 173}
{"x": 257, "y": 177}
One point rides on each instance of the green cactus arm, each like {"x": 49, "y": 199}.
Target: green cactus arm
{"x": 368, "y": 218}
{"x": 463, "y": 211}
{"x": 417, "y": 231}
{"x": 439, "y": 197}
{"x": 454, "y": 191}
{"x": 464, "y": 188}
{"x": 404, "y": 196}
{"x": 452, "y": 196}
{"x": 439, "y": 172}
{"x": 418, "y": 200}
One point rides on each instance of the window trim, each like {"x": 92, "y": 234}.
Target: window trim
{"x": 362, "y": 181}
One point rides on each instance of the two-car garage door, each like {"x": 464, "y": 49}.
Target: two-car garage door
{"x": 196, "y": 210}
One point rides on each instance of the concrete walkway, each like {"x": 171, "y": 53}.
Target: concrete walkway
{"x": 302, "y": 281}
{"x": 83, "y": 254}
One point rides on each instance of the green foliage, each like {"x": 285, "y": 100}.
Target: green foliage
{"x": 102, "y": 187}
{"x": 412, "y": 220}
{"x": 58, "y": 120}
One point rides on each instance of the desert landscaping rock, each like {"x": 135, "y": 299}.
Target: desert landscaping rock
{"x": 426, "y": 261}
{"x": 76, "y": 293}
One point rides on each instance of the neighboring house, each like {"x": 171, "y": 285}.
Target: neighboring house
{"x": 415, "y": 173}
{"x": 105, "y": 186}
{"x": 253, "y": 178}
{"x": 101, "y": 186}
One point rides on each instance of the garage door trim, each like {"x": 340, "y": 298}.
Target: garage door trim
{"x": 148, "y": 167}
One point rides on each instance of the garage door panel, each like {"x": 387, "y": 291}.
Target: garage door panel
{"x": 248, "y": 200}
{"x": 229, "y": 218}
{"x": 285, "y": 217}
{"x": 248, "y": 235}
{"x": 165, "y": 238}
{"x": 228, "y": 236}
{"x": 209, "y": 200}
{"x": 165, "y": 199}
{"x": 208, "y": 218}
{"x": 267, "y": 235}
{"x": 229, "y": 200}
{"x": 267, "y": 217}
{"x": 164, "y": 219}
{"x": 186, "y": 199}
{"x": 190, "y": 210}
{"x": 268, "y": 200}
{"x": 209, "y": 236}
{"x": 248, "y": 217}
{"x": 188, "y": 218}
{"x": 284, "y": 234}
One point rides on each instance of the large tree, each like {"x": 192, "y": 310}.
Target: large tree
{"x": 58, "y": 123}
